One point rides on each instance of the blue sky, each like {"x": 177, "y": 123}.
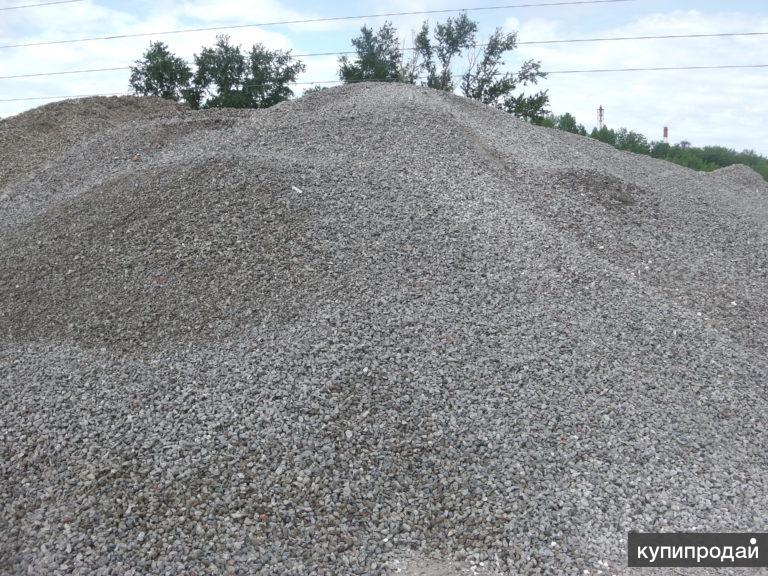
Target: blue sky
{"x": 705, "y": 107}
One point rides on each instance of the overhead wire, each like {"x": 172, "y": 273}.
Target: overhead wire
{"x": 313, "y": 21}
{"x": 59, "y": 73}
{"x": 659, "y": 68}
{"x": 348, "y": 52}
{"x": 319, "y": 82}
{"x": 38, "y": 5}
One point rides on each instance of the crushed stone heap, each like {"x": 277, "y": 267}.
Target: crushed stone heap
{"x": 374, "y": 322}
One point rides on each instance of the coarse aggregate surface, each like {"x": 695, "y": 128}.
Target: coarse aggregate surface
{"x": 376, "y": 322}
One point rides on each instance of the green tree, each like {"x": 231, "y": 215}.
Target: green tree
{"x": 567, "y": 123}
{"x": 220, "y": 75}
{"x": 547, "y": 121}
{"x": 660, "y": 149}
{"x": 423, "y": 58}
{"x": 435, "y": 58}
{"x": 632, "y": 142}
{"x": 160, "y": 73}
{"x": 378, "y": 57}
{"x": 226, "y": 77}
{"x": 484, "y": 78}
{"x": 527, "y": 107}
{"x": 604, "y": 134}
{"x": 270, "y": 74}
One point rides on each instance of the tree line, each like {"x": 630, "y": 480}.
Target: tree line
{"x": 224, "y": 75}
{"x": 707, "y": 158}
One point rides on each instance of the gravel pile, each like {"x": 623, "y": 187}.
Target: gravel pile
{"x": 375, "y": 322}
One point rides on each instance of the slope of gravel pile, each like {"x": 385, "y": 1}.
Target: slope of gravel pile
{"x": 33, "y": 138}
{"x": 34, "y": 141}
{"x": 375, "y": 322}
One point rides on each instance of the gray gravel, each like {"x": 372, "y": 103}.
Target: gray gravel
{"x": 375, "y": 322}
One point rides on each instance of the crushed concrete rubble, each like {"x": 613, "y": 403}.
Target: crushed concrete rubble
{"x": 376, "y": 322}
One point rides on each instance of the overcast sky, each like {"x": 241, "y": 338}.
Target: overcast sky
{"x": 725, "y": 107}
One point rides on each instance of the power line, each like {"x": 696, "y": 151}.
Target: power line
{"x": 593, "y": 71}
{"x": 316, "y": 20}
{"x": 41, "y": 4}
{"x": 65, "y": 72}
{"x": 306, "y": 83}
{"x": 719, "y": 67}
{"x": 529, "y": 42}
{"x": 660, "y": 37}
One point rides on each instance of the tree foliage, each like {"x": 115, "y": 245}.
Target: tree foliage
{"x": 221, "y": 75}
{"x": 567, "y": 122}
{"x": 548, "y": 121}
{"x": 160, "y": 73}
{"x": 451, "y": 39}
{"x": 378, "y": 57}
{"x": 224, "y": 76}
{"x": 435, "y": 57}
{"x": 604, "y": 134}
{"x": 485, "y": 81}
{"x": 632, "y": 142}
{"x": 271, "y": 73}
